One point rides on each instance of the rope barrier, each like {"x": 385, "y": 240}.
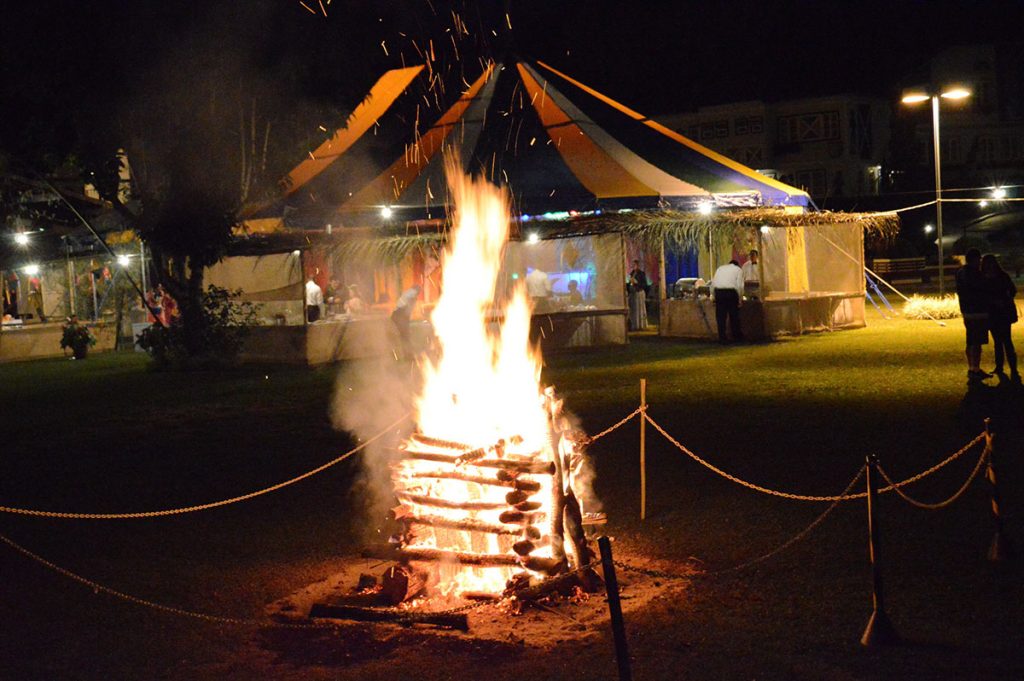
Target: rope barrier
{"x": 762, "y": 558}
{"x": 97, "y": 587}
{"x": 808, "y": 497}
{"x": 744, "y": 483}
{"x": 201, "y": 507}
{"x": 266, "y": 623}
{"x": 618, "y": 425}
{"x": 941, "y": 504}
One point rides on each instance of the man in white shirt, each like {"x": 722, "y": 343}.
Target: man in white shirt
{"x": 751, "y": 271}
{"x": 538, "y": 287}
{"x": 401, "y": 317}
{"x": 314, "y": 299}
{"x": 727, "y": 285}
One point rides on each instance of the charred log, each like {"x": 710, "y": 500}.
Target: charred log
{"x": 458, "y": 621}
{"x": 549, "y": 566}
{"x": 515, "y": 483}
{"x": 467, "y": 525}
{"x": 400, "y": 584}
{"x": 423, "y": 500}
{"x": 531, "y": 467}
{"x": 520, "y": 518}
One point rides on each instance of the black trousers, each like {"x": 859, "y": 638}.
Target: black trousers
{"x": 312, "y": 313}
{"x": 1002, "y": 339}
{"x": 727, "y": 307}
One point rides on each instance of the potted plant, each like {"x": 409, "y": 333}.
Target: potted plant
{"x": 77, "y": 337}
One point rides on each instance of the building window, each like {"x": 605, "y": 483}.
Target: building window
{"x": 707, "y": 131}
{"x": 813, "y": 127}
{"x": 814, "y": 181}
{"x": 748, "y": 125}
{"x": 721, "y": 128}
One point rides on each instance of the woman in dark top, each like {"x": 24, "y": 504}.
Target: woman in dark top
{"x": 999, "y": 292}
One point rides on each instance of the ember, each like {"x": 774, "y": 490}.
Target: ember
{"x": 487, "y": 486}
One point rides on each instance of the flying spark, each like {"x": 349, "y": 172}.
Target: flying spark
{"x": 308, "y": 8}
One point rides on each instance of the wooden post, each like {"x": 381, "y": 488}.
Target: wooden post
{"x": 611, "y": 584}
{"x": 879, "y": 630}
{"x": 1000, "y": 549}
{"x": 643, "y": 449}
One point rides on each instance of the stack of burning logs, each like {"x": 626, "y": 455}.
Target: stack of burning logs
{"x": 490, "y": 522}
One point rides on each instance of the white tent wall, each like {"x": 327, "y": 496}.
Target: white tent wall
{"x": 273, "y": 281}
{"x": 595, "y": 262}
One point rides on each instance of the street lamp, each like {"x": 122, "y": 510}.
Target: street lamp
{"x": 21, "y": 239}
{"x": 923, "y": 95}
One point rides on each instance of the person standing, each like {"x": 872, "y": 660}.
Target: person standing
{"x": 402, "y": 316}
{"x": 314, "y": 300}
{"x": 974, "y": 309}
{"x": 999, "y": 291}
{"x": 727, "y": 286}
{"x": 538, "y": 287}
{"x": 637, "y": 286}
{"x": 751, "y": 270}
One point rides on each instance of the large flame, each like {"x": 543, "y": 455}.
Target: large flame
{"x": 481, "y": 388}
{"x": 485, "y": 385}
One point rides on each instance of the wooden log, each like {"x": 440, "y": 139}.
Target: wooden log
{"x": 458, "y": 621}
{"x": 517, "y": 484}
{"x": 458, "y": 446}
{"x": 400, "y": 584}
{"x": 549, "y": 566}
{"x": 520, "y": 518}
{"x": 467, "y": 525}
{"x": 527, "y": 506}
{"x": 530, "y": 467}
{"x": 437, "y": 502}
{"x": 515, "y": 497}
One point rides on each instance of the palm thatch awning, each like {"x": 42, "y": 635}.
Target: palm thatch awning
{"x": 687, "y": 228}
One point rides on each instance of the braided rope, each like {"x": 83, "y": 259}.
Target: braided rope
{"x": 618, "y": 425}
{"x": 808, "y": 497}
{"x": 95, "y": 586}
{"x": 796, "y": 538}
{"x": 201, "y": 507}
{"x": 760, "y": 559}
{"x": 941, "y": 504}
{"x": 948, "y": 460}
{"x": 750, "y": 485}
{"x": 400, "y": 617}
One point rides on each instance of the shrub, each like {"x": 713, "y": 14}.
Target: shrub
{"x": 76, "y": 337}
{"x": 932, "y": 307}
{"x": 223, "y": 325}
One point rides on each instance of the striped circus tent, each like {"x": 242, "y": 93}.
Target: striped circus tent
{"x": 557, "y": 144}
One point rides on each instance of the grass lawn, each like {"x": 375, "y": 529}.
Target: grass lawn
{"x": 799, "y": 415}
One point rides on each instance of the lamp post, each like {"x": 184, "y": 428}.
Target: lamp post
{"x": 916, "y": 97}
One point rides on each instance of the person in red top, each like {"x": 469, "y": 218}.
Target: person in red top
{"x": 170, "y": 307}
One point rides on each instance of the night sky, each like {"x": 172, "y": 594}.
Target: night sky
{"x": 654, "y": 56}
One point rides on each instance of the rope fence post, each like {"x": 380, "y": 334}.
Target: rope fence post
{"x": 643, "y": 448}
{"x": 1000, "y": 548}
{"x": 611, "y": 585}
{"x": 879, "y": 630}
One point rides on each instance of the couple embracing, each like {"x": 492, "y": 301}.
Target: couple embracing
{"x": 986, "y": 296}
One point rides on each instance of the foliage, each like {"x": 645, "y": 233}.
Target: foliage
{"x": 225, "y": 323}
{"x": 76, "y": 337}
{"x": 932, "y": 307}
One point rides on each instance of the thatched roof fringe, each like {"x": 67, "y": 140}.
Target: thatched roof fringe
{"x": 688, "y": 228}
{"x": 385, "y": 250}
